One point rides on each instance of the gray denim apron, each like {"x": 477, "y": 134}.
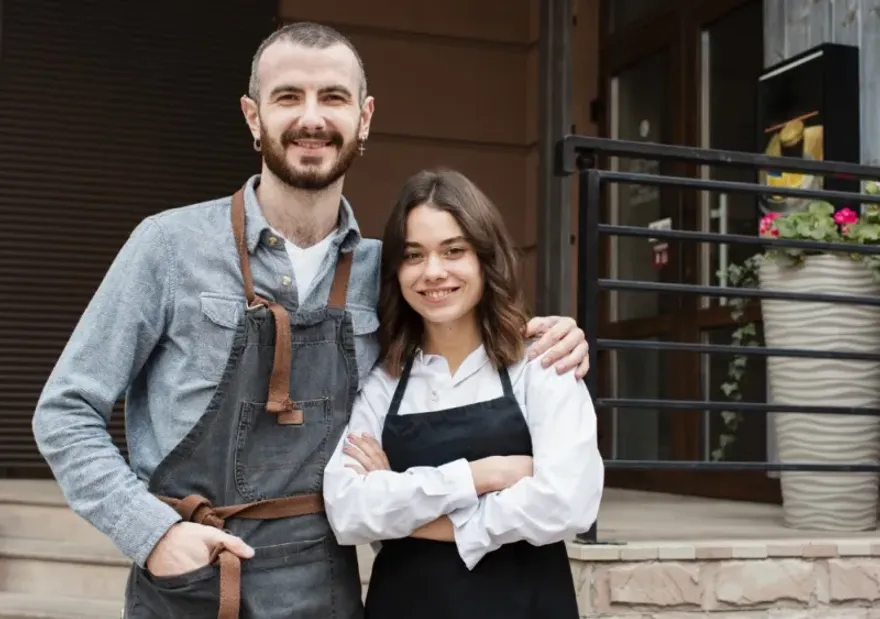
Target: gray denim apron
{"x": 253, "y": 465}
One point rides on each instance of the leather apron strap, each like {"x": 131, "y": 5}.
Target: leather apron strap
{"x": 279, "y": 402}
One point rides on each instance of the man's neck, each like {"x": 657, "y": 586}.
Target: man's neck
{"x": 304, "y": 217}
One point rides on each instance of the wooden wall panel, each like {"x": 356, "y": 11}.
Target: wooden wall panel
{"x": 437, "y": 88}
{"x": 528, "y": 272}
{"x": 375, "y": 179}
{"x": 501, "y": 21}
{"x": 532, "y": 100}
{"x": 454, "y": 84}
{"x": 530, "y": 213}
{"x": 585, "y": 88}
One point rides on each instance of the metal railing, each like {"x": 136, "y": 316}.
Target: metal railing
{"x": 581, "y": 155}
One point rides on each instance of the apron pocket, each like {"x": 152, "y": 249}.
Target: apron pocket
{"x": 308, "y": 579}
{"x": 273, "y": 460}
{"x": 194, "y": 595}
{"x": 186, "y": 579}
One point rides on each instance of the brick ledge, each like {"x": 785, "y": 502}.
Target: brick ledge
{"x": 719, "y": 550}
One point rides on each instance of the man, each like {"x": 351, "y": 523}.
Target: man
{"x": 238, "y": 330}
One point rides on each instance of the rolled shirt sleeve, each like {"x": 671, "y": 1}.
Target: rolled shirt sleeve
{"x": 562, "y": 497}
{"x": 112, "y": 341}
{"x": 383, "y": 505}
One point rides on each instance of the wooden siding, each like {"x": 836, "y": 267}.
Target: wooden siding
{"x": 454, "y": 85}
{"x": 794, "y": 26}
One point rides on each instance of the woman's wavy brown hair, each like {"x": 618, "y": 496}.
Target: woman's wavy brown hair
{"x": 501, "y": 310}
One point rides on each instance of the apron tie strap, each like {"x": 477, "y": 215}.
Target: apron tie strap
{"x": 195, "y": 508}
{"x": 198, "y": 509}
{"x": 230, "y": 582}
{"x": 279, "y": 402}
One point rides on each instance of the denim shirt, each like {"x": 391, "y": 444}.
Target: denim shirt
{"x": 159, "y": 330}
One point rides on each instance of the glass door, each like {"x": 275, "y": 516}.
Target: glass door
{"x": 642, "y": 86}
{"x": 680, "y": 72}
{"x": 639, "y": 105}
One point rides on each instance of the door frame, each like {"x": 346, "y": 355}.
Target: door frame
{"x": 677, "y": 26}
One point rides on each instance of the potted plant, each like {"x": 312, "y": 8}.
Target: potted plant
{"x": 818, "y": 500}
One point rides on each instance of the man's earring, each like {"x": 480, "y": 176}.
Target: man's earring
{"x": 362, "y": 146}
{"x": 257, "y": 144}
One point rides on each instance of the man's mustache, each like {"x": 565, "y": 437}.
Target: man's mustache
{"x": 334, "y": 138}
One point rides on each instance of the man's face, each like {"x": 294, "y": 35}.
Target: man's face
{"x": 309, "y": 116}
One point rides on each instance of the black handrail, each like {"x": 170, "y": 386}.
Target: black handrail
{"x": 581, "y": 155}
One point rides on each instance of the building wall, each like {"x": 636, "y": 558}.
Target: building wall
{"x": 585, "y": 88}
{"x": 455, "y": 84}
{"x": 102, "y": 125}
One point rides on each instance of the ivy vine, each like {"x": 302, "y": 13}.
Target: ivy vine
{"x": 744, "y": 275}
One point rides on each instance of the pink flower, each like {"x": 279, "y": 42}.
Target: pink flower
{"x": 845, "y": 216}
{"x": 766, "y": 226}
{"x": 846, "y": 228}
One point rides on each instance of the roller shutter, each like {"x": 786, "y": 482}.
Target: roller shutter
{"x": 109, "y": 111}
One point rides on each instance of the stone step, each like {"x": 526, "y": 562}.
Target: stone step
{"x": 47, "y": 550}
{"x": 29, "y": 606}
{"x": 36, "y": 509}
{"x": 52, "y": 568}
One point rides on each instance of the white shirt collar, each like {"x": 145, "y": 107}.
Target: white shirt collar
{"x": 471, "y": 364}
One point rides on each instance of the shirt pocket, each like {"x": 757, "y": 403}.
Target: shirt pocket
{"x": 364, "y": 320}
{"x": 219, "y": 318}
{"x": 365, "y": 325}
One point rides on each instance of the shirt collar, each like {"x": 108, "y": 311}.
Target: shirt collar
{"x": 348, "y": 233}
{"x": 472, "y": 364}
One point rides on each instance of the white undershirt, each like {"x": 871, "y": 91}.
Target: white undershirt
{"x": 560, "y": 500}
{"x": 307, "y": 262}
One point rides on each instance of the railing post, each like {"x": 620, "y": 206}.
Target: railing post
{"x": 589, "y": 207}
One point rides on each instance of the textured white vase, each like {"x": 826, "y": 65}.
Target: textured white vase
{"x": 818, "y": 500}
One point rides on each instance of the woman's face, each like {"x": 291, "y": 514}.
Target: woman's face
{"x": 440, "y": 275}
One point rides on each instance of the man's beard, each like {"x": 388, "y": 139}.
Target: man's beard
{"x": 311, "y": 178}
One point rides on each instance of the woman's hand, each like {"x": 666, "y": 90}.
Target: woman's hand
{"x": 367, "y": 451}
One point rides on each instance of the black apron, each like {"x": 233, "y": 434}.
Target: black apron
{"x": 424, "y": 579}
{"x": 253, "y": 465}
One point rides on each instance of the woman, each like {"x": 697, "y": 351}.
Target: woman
{"x": 468, "y": 462}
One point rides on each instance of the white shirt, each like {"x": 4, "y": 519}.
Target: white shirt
{"x": 561, "y": 499}
{"x": 306, "y": 262}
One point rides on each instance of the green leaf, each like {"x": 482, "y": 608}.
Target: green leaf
{"x": 728, "y": 416}
{"x": 820, "y": 209}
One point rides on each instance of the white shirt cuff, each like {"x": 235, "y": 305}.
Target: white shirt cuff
{"x": 460, "y": 516}
{"x": 471, "y": 539}
{"x": 462, "y": 492}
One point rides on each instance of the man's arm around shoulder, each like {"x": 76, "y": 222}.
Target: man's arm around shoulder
{"x": 115, "y": 336}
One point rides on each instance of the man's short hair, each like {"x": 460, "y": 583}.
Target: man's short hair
{"x": 306, "y": 34}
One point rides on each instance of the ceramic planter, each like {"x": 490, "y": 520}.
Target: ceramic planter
{"x": 825, "y": 501}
